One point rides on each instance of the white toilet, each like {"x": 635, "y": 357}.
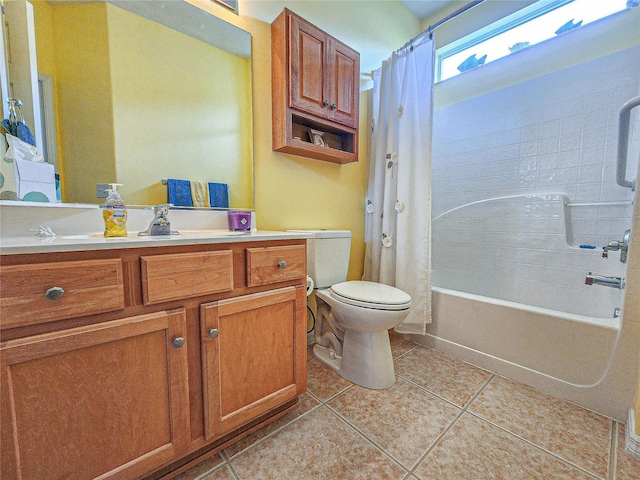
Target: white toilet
{"x": 353, "y": 317}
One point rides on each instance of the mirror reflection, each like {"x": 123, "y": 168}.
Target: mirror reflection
{"x": 143, "y": 92}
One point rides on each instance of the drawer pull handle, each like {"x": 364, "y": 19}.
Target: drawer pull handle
{"x": 178, "y": 342}
{"x": 54, "y": 293}
{"x": 213, "y": 333}
{"x": 282, "y": 264}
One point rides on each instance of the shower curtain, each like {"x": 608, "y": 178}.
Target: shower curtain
{"x": 398, "y": 221}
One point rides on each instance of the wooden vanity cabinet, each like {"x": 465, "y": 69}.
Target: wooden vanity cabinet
{"x": 250, "y": 360}
{"x": 315, "y": 86}
{"x": 191, "y": 356}
{"x": 108, "y": 400}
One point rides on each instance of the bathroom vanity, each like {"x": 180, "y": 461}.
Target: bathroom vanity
{"x": 135, "y": 358}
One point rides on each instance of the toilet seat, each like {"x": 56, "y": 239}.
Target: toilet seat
{"x": 372, "y": 295}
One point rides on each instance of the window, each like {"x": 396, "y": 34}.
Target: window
{"x": 538, "y": 22}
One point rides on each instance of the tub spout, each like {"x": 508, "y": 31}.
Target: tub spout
{"x": 613, "y": 282}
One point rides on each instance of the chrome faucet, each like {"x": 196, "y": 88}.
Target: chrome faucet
{"x": 160, "y": 224}
{"x": 616, "y": 245}
{"x": 613, "y": 282}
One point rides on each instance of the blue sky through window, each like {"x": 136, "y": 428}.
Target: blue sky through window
{"x": 524, "y": 28}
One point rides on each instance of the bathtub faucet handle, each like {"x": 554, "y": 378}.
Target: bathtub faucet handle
{"x": 622, "y": 245}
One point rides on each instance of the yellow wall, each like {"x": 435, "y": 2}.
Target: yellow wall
{"x": 84, "y": 103}
{"x": 294, "y": 192}
{"x": 168, "y": 83}
{"x": 101, "y": 108}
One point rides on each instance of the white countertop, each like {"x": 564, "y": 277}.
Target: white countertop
{"x": 70, "y": 243}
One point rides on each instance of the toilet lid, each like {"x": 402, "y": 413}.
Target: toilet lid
{"x": 371, "y": 295}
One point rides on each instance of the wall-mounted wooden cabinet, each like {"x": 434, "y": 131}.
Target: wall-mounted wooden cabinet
{"x": 315, "y": 88}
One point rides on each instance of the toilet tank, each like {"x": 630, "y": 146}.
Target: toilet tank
{"x": 328, "y": 256}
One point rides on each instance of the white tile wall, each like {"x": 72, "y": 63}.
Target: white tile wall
{"x": 541, "y": 143}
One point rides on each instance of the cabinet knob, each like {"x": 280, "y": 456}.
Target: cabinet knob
{"x": 178, "y": 342}
{"x": 282, "y": 264}
{"x": 54, "y": 293}
{"x": 326, "y": 103}
{"x": 333, "y": 106}
{"x": 213, "y": 333}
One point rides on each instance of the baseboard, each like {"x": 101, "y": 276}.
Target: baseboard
{"x": 632, "y": 441}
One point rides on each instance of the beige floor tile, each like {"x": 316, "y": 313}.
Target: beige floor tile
{"x": 399, "y": 346}
{"x": 403, "y": 420}
{"x": 319, "y": 446}
{"x": 627, "y": 466}
{"x": 323, "y": 382}
{"x": 578, "y": 435}
{"x": 306, "y": 404}
{"x": 222, "y": 473}
{"x": 473, "y": 449}
{"x": 203, "y": 467}
{"x": 445, "y": 376}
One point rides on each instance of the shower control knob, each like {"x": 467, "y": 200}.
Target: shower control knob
{"x": 282, "y": 264}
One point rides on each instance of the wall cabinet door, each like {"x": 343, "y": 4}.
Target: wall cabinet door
{"x": 344, "y": 80}
{"x": 308, "y": 70}
{"x": 324, "y": 74}
{"x": 253, "y": 356}
{"x": 104, "y": 400}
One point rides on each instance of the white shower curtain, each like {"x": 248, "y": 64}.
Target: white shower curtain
{"x": 398, "y": 221}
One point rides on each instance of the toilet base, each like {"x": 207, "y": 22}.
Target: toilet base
{"x": 366, "y": 359}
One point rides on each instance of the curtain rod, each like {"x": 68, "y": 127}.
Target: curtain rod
{"x": 429, "y": 31}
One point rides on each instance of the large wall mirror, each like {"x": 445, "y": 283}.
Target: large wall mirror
{"x": 140, "y": 92}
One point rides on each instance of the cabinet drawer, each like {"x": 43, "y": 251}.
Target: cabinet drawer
{"x": 45, "y": 292}
{"x": 184, "y": 275}
{"x": 275, "y": 264}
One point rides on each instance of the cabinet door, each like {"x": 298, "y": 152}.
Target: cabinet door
{"x": 254, "y": 356}
{"x": 105, "y": 400}
{"x": 307, "y": 68}
{"x": 344, "y": 78}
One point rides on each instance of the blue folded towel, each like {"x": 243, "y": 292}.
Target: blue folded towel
{"x": 219, "y": 195}
{"x": 179, "y": 192}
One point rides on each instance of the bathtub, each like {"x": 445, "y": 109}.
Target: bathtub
{"x": 582, "y": 359}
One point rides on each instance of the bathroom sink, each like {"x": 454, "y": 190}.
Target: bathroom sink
{"x": 212, "y": 233}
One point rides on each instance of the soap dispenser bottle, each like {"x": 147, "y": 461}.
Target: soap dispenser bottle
{"x": 114, "y": 213}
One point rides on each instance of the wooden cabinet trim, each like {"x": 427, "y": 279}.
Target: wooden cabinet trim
{"x": 185, "y": 275}
{"x": 90, "y": 287}
{"x": 263, "y": 264}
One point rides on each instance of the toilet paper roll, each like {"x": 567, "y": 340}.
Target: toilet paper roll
{"x": 310, "y": 285}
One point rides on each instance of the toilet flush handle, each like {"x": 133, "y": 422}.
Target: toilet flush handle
{"x": 282, "y": 264}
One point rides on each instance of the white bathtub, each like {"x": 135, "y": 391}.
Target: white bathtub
{"x": 584, "y": 360}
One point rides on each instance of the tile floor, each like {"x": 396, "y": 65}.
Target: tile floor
{"x": 443, "y": 419}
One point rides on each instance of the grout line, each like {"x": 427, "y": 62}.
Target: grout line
{"x": 437, "y": 441}
{"x": 372, "y": 442}
{"x": 613, "y": 450}
{"x": 463, "y": 410}
{"x": 405, "y": 353}
{"x": 233, "y": 471}
{"x": 538, "y": 447}
{"x": 263, "y": 439}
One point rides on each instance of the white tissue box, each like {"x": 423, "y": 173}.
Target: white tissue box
{"x": 35, "y": 179}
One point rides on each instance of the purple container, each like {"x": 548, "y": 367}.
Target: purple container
{"x": 239, "y": 220}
